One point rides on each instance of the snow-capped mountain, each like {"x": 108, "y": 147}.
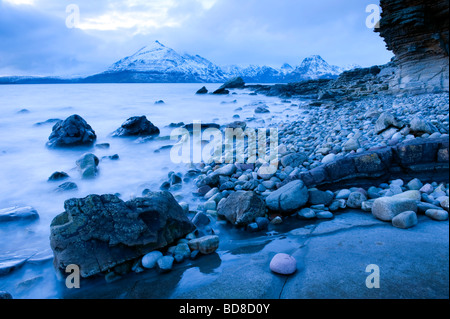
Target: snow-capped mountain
{"x": 157, "y": 60}
{"x": 158, "y": 63}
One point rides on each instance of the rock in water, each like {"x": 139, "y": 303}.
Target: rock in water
{"x": 203, "y": 90}
{"x": 73, "y": 131}
{"x": 101, "y": 232}
{"x": 206, "y": 245}
{"x": 136, "y": 126}
{"x": 234, "y": 83}
{"x": 87, "y": 164}
{"x": 283, "y": 264}
{"x": 288, "y": 198}
{"x": 241, "y": 208}
{"x": 18, "y": 213}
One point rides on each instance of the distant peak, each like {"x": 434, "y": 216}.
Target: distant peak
{"x": 314, "y": 57}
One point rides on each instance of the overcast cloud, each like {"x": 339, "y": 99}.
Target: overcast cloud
{"x": 34, "y": 38}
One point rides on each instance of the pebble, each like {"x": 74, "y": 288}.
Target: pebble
{"x": 437, "y": 214}
{"x": 165, "y": 263}
{"x": 405, "y": 220}
{"x": 150, "y": 259}
{"x": 283, "y": 264}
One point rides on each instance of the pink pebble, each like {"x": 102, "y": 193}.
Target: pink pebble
{"x": 283, "y": 264}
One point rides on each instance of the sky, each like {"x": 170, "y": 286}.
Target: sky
{"x": 83, "y": 37}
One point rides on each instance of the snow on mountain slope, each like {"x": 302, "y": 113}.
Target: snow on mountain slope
{"x": 158, "y": 63}
{"x": 157, "y": 58}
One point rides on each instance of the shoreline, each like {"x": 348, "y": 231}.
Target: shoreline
{"x": 313, "y": 142}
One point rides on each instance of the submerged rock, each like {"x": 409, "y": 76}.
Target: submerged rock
{"x": 87, "y": 165}
{"x": 18, "y": 214}
{"x": 100, "y": 232}
{"x": 73, "y": 131}
{"x": 58, "y": 176}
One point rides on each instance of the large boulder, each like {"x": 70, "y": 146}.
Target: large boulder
{"x": 288, "y": 198}
{"x": 234, "y": 83}
{"x": 73, "y": 131}
{"x": 386, "y": 208}
{"x": 98, "y": 233}
{"x": 241, "y": 208}
{"x": 136, "y": 126}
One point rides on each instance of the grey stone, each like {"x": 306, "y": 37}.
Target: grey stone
{"x": 206, "y": 245}
{"x": 317, "y": 197}
{"x": 414, "y": 184}
{"x": 356, "y": 199}
{"x": 386, "y": 208}
{"x": 306, "y": 213}
{"x": 241, "y": 208}
{"x": 288, "y": 198}
{"x": 437, "y": 214}
{"x": 405, "y": 220}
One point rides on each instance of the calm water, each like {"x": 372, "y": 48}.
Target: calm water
{"x": 26, "y": 164}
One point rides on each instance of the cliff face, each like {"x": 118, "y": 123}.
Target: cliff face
{"x": 417, "y": 32}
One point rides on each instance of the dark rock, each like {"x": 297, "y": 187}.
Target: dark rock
{"x": 18, "y": 214}
{"x": 136, "y": 126}
{"x": 49, "y": 121}
{"x": 99, "y": 233}
{"x": 58, "y": 176}
{"x": 87, "y": 164}
{"x": 234, "y": 83}
{"x": 67, "y": 186}
{"x": 102, "y": 146}
{"x": 262, "y": 222}
{"x": 159, "y": 102}
{"x": 200, "y": 220}
{"x": 261, "y": 110}
{"x": 317, "y": 197}
{"x": 221, "y": 91}
{"x": 73, "y": 131}
{"x": 203, "y": 90}
{"x": 165, "y": 186}
{"x": 241, "y": 208}
{"x": 293, "y": 159}
{"x": 5, "y": 295}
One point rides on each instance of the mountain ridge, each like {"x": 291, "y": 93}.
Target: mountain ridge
{"x": 157, "y": 63}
